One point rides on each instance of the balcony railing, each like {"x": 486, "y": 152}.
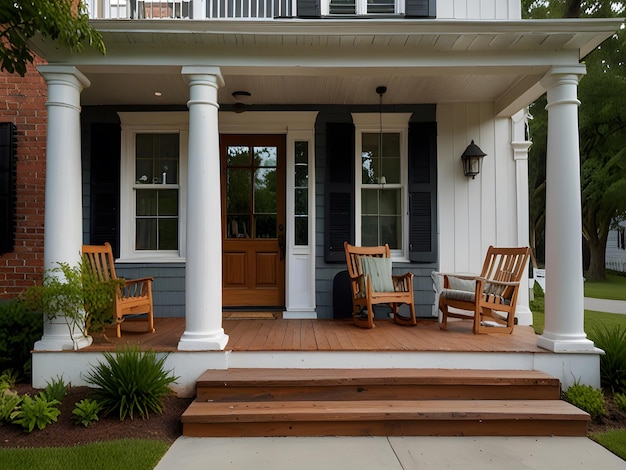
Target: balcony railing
{"x": 190, "y": 9}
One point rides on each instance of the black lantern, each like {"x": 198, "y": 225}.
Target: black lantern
{"x": 472, "y": 160}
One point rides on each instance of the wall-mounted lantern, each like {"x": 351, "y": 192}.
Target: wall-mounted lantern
{"x": 472, "y": 160}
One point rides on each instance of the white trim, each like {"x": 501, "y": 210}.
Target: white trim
{"x": 133, "y": 124}
{"x": 392, "y": 123}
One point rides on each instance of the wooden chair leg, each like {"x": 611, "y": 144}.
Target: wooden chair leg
{"x": 443, "y": 324}
{"x": 411, "y": 321}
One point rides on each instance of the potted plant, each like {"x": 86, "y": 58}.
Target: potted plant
{"x": 75, "y": 294}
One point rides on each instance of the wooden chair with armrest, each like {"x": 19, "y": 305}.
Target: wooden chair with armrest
{"x": 489, "y": 300}
{"x": 372, "y": 283}
{"x": 133, "y": 297}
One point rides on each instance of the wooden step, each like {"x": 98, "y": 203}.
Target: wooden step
{"x": 374, "y": 384}
{"x": 385, "y": 418}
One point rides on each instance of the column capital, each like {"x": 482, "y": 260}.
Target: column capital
{"x": 560, "y": 73}
{"x": 194, "y": 72}
{"x": 67, "y": 72}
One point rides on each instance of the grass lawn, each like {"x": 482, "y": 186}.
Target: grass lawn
{"x": 614, "y": 288}
{"x": 129, "y": 454}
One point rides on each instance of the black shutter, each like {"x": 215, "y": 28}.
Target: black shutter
{"x": 421, "y": 8}
{"x": 105, "y": 184}
{"x": 309, "y": 9}
{"x": 339, "y": 203}
{"x": 423, "y": 192}
{"x": 8, "y": 150}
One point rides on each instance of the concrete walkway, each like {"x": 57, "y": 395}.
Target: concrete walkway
{"x": 604, "y": 305}
{"x": 389, "y": 453}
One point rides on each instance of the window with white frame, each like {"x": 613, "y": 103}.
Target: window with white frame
{"x": 152, "y": 182}
{"x": 381, "y": 196}
{"x": 156, "y": 191}
{"x": 364, "y": 7}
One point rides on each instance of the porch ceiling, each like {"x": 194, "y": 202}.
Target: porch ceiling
{"x": 289, "y": 62}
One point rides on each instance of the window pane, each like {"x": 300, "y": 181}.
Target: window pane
{"x": 238, "y": 226}
{"x": 380, "y": 6}
{"x": 390, "y": 231}
{"x": 370, "y": 162}
{"x": 168, "y": 202}
{"x": 265, "y": 191}
{"x": 302, "y": 201}
{"x": 146, "y": 236}
{"x": 147, "y": 202}
{"x": 369, "y": 201}
{"x": 390, "y": 202}
{"x": 265, "y": 226}
{"x": 369, "y": 230}
{"x": 390, "y": 162}
{"x": 302, "y": 176}
{"x": 302, "y": 152}
{"x": 302, "y": 230}
{"x": 265, "y": 156}
{"x": 238, "y": 156}
{"x": 168, "y": 234}
{"x": 342, "y": 7}
{"x": 239, "y": 191}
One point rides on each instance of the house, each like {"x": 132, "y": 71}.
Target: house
{"x": 252, "y": 138}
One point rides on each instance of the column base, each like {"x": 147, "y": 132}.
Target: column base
{"x": 563, "y": 343}
{"x": 524, "y": 315}
{"x": 207, "y": 341}
{"x": 62, "y": 343}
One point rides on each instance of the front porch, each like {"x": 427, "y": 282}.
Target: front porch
{"x": 324, "y": 344}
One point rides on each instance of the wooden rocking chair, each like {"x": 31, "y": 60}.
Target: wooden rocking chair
{"x": 489, "y": 299}
{"x": 372, "y": 283}
{"x": 133, "y": 297}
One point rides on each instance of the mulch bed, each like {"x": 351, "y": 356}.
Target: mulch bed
{"x": 164, "y": 427}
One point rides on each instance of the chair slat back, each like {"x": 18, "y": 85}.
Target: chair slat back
{"x": 354, "y": 253}
{"x": 505, "y": 265}
{"x": 100, "y": 258}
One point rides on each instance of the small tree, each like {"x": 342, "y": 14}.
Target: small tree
{"x": 65, "y": 21}
{"x": 77, "y": 295}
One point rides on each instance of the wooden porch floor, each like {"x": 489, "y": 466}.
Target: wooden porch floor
{"x": 326, "y": 335}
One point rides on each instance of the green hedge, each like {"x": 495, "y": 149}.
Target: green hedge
{"x": 20, "y": 327}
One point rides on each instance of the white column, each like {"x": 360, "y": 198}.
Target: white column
{"x": 63, "y": 227}
{"x": 520, "y": 146}
{"x": 203, "y": 278}
{"x": 564, "y": 305}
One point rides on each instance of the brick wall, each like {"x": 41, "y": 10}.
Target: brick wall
{"x": 22, "y": 102}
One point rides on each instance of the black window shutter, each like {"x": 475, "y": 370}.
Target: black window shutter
{"x": 423, "y": 192}
{"x": 8, "y": 150}
{"x": 339, "y": 203}
{"x": 309, "y": 9}
{"x": 105, "y": 184}
{"x": 421, "y": 8}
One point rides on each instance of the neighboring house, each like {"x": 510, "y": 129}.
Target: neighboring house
{"x": 229, "y": 148}
{"x": 615, "y": 257}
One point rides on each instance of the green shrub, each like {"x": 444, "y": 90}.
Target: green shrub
{"x": 588, "y": 399}
{"x": 20, "y": 327}
{"x": 620, "y": 401}
{"x": 613, "y": 363}
{"x": 56, "y": 390}
{"x": 86, "y": 411}
{"x": 8, "y": 378}
{"x": 36, "y": 412}
{"x": 131, "y": 382}
{"x": 9, "y": 401}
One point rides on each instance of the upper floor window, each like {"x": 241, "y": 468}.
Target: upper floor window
{"x": 364, "y": 7}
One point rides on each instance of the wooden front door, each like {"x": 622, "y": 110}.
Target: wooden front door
{"x": 253, "y": 220}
